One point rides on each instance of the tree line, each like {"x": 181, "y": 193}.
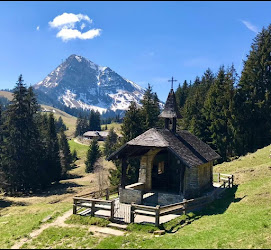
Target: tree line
{"x": 232, "y": 113}
{"x": 89, "y": 122}
{"x": 32, "y": 154}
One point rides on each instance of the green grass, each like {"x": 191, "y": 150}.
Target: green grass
{"x": 87, "y": 220}
{"x": 241, "y": 219}
{"x": 116, "y": 126}
{"x": 18, "y": 221}
{"x": 80, "y": 148}
{"x": 143, "y": 228}
{"x": 63, "y": 238}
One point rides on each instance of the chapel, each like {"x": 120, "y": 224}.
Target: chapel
{"x": 174, "y": 164}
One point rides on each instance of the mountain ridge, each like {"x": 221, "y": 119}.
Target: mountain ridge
{"x": 80, "y": 83}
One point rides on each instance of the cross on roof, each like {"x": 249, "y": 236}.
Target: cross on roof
{"x": 172, "y": 80}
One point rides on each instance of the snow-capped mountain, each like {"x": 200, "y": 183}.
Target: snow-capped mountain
{"x": 80, "y": 83}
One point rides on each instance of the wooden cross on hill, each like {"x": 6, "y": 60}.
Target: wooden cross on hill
{"x": 172, "y": 80}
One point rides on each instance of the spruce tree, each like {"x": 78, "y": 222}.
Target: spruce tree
{"x": 93, "y": 155}
{"x": 65, "y": 153}
{"x": 219, "y": 112}
{"x": 53, "y": 158}
{"x": 110, "y": 143}
{"x": 131, "y": 126}
{"x": 60, "y": 125}
{"x": 150, "y": 108}
{"x": 94, "y": 121}
{"x": 74, "y": 155}
{"x": 82, "y": 125}
{"x": 21, "y": 149}
{"x": 254, "y": 95}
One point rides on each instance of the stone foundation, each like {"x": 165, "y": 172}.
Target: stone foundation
{"x": 161, "y": 199}
{"x": 130, "y": 195}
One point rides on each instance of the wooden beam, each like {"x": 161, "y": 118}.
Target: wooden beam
{"x": 123, "y": 172}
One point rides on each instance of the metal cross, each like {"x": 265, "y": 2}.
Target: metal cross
{"x": 172, "y": 80}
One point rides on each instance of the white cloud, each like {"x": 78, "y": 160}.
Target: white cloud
{"x": 250, "y": 26}
{"x": 69, "y": 24}
{"x": 68, "y": 34}
{"x": 68, "y": 20}
{"x": 38, "y": 28}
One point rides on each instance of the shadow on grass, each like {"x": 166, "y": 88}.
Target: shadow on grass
{"x": 7, "y": 203}
{"x": 58, "y": 189}
{"x": 53, "y": 189}
{"x": 218, "y": 206}
{"x": 72, "y": 176}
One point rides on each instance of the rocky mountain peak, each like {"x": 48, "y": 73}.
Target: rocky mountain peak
{"x": 80, "y": 83}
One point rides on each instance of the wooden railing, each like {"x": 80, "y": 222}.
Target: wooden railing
{"x": 92, "y": 205}
{"x": 185, "y": 205}
{"x": 226, "y": 179}
{"x": 101, "y": 193}
{"x": 145, "y": 210}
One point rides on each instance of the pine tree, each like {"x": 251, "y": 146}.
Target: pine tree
{"x": 53, "y": 158}
{"x": 254, "y": 95}
{"x": 110, "y": 143}
{"x": 60, "y": 125}
{"x": 65, "y": 153}
{"x": 181, "y": 94}
{"x": 2, "y": 174}
{"x": 21, "y": 149}
{"x": 150, "y": 108}
{"x": 93, "y": 155}
{"x": 74, "y": 155}
{"x": 131, "y": 126}
{"x": 219, "y": 112}
{"x": 82, "y": 125}
{"x": 94, "y": 121}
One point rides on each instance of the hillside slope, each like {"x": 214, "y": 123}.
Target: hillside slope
{"x": 69, "y": 120}
{"x": 240, "y": 220}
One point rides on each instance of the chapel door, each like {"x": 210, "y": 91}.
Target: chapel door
{"x": 159, "y": 182}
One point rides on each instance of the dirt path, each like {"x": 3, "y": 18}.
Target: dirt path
{"x": 60, "y": 222}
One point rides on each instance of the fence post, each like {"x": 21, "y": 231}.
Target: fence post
{"x": 74, "y": 207}
{"x": 232, "y": 180}
{"x": 229, "y": 182}
{"x": 107, "y": 194}
{"x": 92, "y": 208}
{"x": 112, "y": 210}
{"x": 184, "y": 206}
{"x": 218, "y": 177}
{"x": 157, "y": 215}
{"x": 132, "y": 215}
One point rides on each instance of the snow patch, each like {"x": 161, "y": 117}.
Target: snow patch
{"x": 78, "y": 58}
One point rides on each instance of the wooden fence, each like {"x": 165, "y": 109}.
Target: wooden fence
{"x": 185, "y": 205}
{"x": 93, "y": 205}
{"x": 101, "y": 193}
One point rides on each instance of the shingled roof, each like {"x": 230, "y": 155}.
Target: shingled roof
{"x": 171, "y": 110}
{"x": 187, "y": 147}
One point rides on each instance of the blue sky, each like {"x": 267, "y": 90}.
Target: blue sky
{"x": 146, "y": 42}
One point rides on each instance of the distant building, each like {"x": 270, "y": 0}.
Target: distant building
{"x": 99, "y": 135}
{"x": 47, "y": 110}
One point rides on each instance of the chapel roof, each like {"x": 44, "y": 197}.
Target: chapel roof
{"x": 187, "y": 147}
